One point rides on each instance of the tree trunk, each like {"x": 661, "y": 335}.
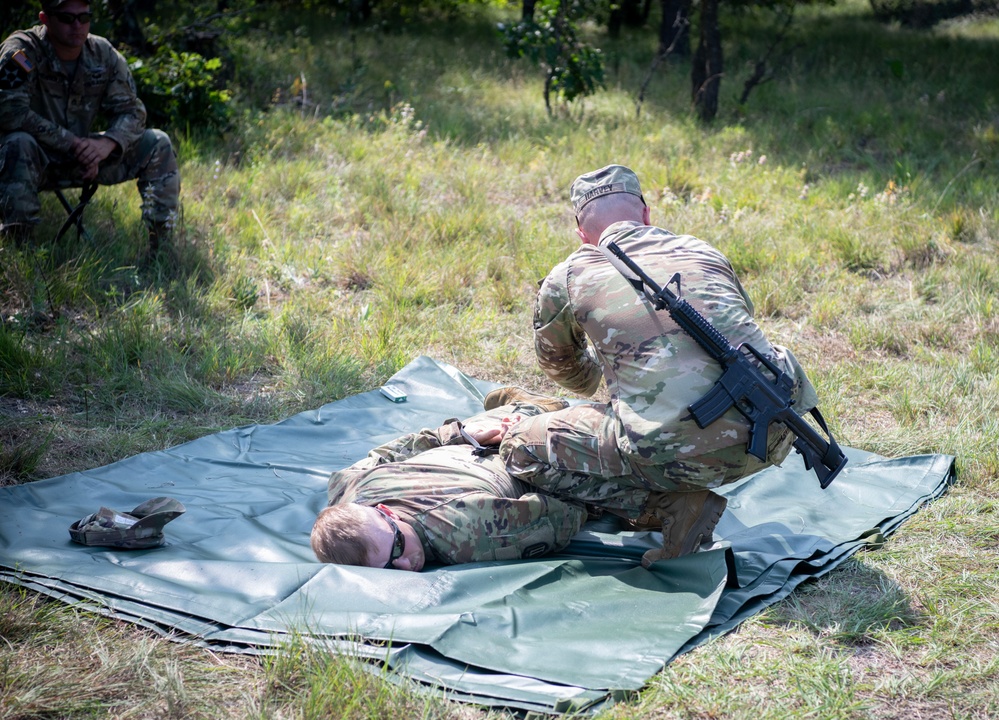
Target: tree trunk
{"x": 360, "y": 11}
{"x": 706, "y": 73}
{"x": 627, "y": 13}
{"x": 127, "y": 27}
{"x": 646, "y": 10}
{"x": 527, "y": 10}
{"x": 614, "y": 21}
{"x": 675, "y": 25}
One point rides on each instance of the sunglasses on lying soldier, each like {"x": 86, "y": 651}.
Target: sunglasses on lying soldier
{"x": 67, "y": 18}
{"x": 398, "y": 539}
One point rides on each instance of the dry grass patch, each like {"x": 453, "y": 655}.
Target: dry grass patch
{"x": 76, "y": 664}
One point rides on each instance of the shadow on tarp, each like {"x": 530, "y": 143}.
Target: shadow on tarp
{"x": 570, "y": 632}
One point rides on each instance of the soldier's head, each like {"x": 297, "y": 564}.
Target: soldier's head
{"x": 603, "y": 197}
{"x": 67, "y": 25}
{"x": 354, "y": 534}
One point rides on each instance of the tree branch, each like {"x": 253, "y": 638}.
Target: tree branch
{"x": 759, "y": 76}
{"x": 681, "y": 23}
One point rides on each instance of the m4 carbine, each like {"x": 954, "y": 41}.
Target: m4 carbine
{"x": 742, "y": 384}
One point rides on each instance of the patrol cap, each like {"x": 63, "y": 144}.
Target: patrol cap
{"x": 605, "y": 181}
{"x": 54, "y": 4}
{"x": 139, "y": 529}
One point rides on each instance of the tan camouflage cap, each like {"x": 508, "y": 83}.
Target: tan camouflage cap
{"x": 605, "y": 181}
{"x": 54, "y": 4}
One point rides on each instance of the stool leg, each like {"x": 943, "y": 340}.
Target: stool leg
{"x": 76, "y": 214}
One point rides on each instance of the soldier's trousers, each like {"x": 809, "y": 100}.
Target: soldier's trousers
{"x": 26, "y": 169}
{"x": 574, "y": 454}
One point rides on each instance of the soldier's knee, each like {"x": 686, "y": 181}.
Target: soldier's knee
{"x": 160, "y": 149}
{"x": 160, "y": 139}
{"x": 152, "y": 157}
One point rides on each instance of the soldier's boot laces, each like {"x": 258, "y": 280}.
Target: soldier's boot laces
{"x": 512, "y": 394}
{"x": 688, "y": 520}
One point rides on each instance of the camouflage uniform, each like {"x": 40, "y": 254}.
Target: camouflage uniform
{"x": 590, "y": 323}
{"x": 42, "y": 111}
{"x": 464, "y": 508}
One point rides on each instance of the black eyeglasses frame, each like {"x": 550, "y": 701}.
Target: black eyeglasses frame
{"x": 67, "y": 18}
{"x": 398, "y": 540}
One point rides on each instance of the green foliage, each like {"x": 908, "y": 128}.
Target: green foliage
{"x": 181, "y": 89}
{"x": 23, "y": 369}
{"x": 573, "y": 69}
{"x": 17, "y": 15}
{"x": 19, "y": 460}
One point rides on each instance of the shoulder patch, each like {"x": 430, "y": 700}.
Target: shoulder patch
{"x": 21, "y": 59}
{"x": 15, "y": 71}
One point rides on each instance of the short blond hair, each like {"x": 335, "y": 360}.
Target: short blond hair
{"x": 339, "y": 535}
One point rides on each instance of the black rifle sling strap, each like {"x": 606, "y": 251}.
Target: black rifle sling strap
{"x": 833, "y": 456}
{"x": 636, "y": 282}
{"x": 824, "y": 456}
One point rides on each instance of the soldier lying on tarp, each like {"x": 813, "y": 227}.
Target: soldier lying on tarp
{"x": 470, "y": 491}
{"x": 432, "y": 497}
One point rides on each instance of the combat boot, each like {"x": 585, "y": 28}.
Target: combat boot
{"x": 160, "y": 234}
{"x": 688, "y": 520}
{"x": 511, "y": 394}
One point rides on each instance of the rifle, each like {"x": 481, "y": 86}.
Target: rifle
{"x": 742, "y": 384}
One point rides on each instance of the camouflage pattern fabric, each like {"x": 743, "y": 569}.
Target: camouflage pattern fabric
{"x": 137, "y": 529}
{"x": 590, "y": 323}
{"x": 573, "y": 454}
{"x": 43, "y": 110}
{"x": 464, "y": 508}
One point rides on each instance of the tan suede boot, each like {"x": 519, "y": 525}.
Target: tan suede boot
{"x": 511, "y": 394}
{"x": 688, "y": 520}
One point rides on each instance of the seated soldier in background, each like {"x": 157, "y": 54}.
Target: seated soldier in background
{"x": 56, "y": 79}
{"x": 432, "y": 497}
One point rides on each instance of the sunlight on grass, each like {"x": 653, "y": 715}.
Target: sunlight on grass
{"x": 387, "y": 195}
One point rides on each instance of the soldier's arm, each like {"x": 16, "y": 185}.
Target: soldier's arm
{"x": 559, "y": 342}
{"x": 478, "y": 526}
{"x": 412, "y": 444}
{"x": 121, "y": 104}
{"x": 396, "y": 450}
{"x": 18, "y": 84}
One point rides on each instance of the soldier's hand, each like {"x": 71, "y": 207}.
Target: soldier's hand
{"x": 90, "y": 172}
{"x": 490, "y": 431}
{"x": 92, "y": 152}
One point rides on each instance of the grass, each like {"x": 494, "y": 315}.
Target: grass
{"x": 409, "y": 207}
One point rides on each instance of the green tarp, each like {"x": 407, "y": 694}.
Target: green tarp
{"x": 567, "y": 632}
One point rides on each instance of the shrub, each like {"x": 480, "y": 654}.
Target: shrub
{"x": 181, "y": 89}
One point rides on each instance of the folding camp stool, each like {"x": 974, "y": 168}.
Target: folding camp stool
{"x": 76, "y": 213}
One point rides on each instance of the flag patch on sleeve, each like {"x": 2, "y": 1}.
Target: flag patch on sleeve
{"x": 15, "y": 71}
